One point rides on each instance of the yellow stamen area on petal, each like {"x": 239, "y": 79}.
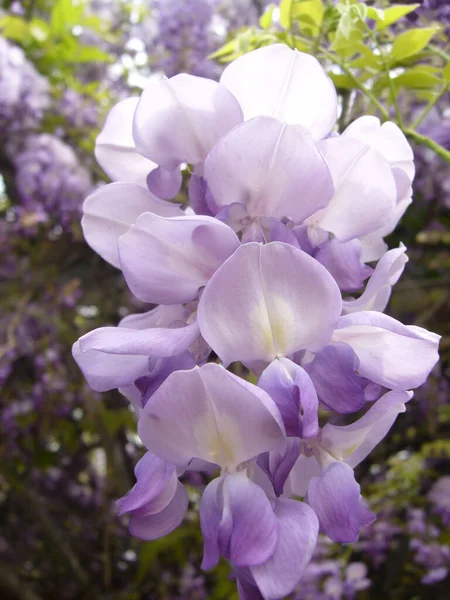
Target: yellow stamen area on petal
{"x": 218, "y": 438}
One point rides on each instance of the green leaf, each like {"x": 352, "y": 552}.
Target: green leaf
{"x": 411, "y": 42}
{"x": 14, "y": 28}
{"x": 226, "y": 49}
{"x": 65, "y": 14}
{"x": 266, "y": 18}
{"x": 391, "y": 15}
{"x": 310, "y": 11}
{"x": 39, "y": 29}
{"x": 446, "y": 72}
{"x": 421, "y": 77}
{"x": 286, "y": 13}
{"x": 366, "y": 59}
{"x": 349, "y": 32}
{"x": 87, "y": 54}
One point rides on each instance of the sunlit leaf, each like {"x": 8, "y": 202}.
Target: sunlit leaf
{"x": 14, "y": 28}
{"x": 418, "y": 78}
{"x": 391, "y": 15}
{"x": 266, "y": 18}
{"x": 286, "y": 13}
{"x": 411, "y": 42}
{"x": 310, "y": 12}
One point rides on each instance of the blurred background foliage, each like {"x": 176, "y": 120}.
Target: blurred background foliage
{"x": 65, "y": 452}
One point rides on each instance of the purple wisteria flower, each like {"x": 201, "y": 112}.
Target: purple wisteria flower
{"x": 284, "y": 217}
{"x": 50, "y": 178}
{"x": 24, "y": 93}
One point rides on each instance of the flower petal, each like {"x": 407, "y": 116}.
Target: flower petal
{"x": 298, "y": 528}
{"x": 387, "y": 139}
{"x": 153, "y": 475}
{"x": 291, "y": 388}
{"x": 266, "y": 302}
{"x": 115, "y": 149}
{"x": 336, "y": 499}
{"x": 365, "y": 194}
{"x": 334, "y": 375}
{"x": 105, "y": 372}
{"x": 166, "y": 261}
{"x": 156, "y": 525}
{"x": 205, "y": 413}
{"x": 286, "y": 84}
{"x": 179, "y": 120}
{"x": 237, "y": 513}
{"x": 396, "y": 356}
{"x": 352, "y": 443}
{"x": 156, "y": 342}
{"x": 303, "y": 471}
{"x": 272, "y": 168}
{"x": 343, "y": 261}
{"x": 111, "y": 210}
{"x": 379, "y": 287}
{"x": 165, "y": 184}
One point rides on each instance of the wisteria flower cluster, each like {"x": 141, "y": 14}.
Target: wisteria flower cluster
{"x": 50, "y": 178}
{"x": 257, "y": 326}
{"x": 24, "y": 93}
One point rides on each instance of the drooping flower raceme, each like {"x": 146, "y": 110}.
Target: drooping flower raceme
{"x": 284, "y": 216}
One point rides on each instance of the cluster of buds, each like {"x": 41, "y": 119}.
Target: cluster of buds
{"x": 267, "y": 307}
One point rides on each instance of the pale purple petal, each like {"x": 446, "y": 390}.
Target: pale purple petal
{"x": 379, "y": 287}
{"x": 286, "y": 84}
{"x": 268, "y": 301}
{"x": 178, "y": 120}
{"x": 352, "y": 443}
{"x": 343, "y": 261}
{"x": 198, "y": 191}
{"x": 387, "y": 139}
{"x": 396, "y": 356}
{"x": 336, "y": 499}
{"x": 213, "y": 410}
{"x": 167, "y": 261}
{"x": 298, "y": 528}
{"x": 334, "y": 373}
{"x": 292, "y": 390}
{"x": 248, "y": 530}
{"x": 304, "y": 470}
{"x": 156, "y": 525}
{"x": 161, "y": 316}
{"x": 268, "y": 229}
{"x": 115, "y": 150}
{"x": 164, "y": 184}
{"x": 152, "y": 477}
{"x": 365, "y": 194}
{"x": 272, "y": 168}
{"x": 111, "y": 210}
{"x": 128, "y": 359}
{"x": 159, "y": 371}
{"x": 156, "y": 342}
{"x": 211, "y": 507}
{"x": 105, "y": 372}
{"x": 278, "y": 466}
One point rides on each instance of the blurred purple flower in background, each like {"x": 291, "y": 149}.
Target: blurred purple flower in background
{"x": 24, "y": 93}
{"x": 50, "y": 177}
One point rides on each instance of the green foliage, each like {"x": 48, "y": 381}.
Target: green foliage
{"x": 53, "y": 42}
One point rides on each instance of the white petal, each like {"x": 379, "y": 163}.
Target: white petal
{"x": 286, "y": 84}
{"x": 365, "y": 194}
{"x": 110, "y": 211}
{"x": 115, "y": 150}
{"x": 179, "y": 120}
